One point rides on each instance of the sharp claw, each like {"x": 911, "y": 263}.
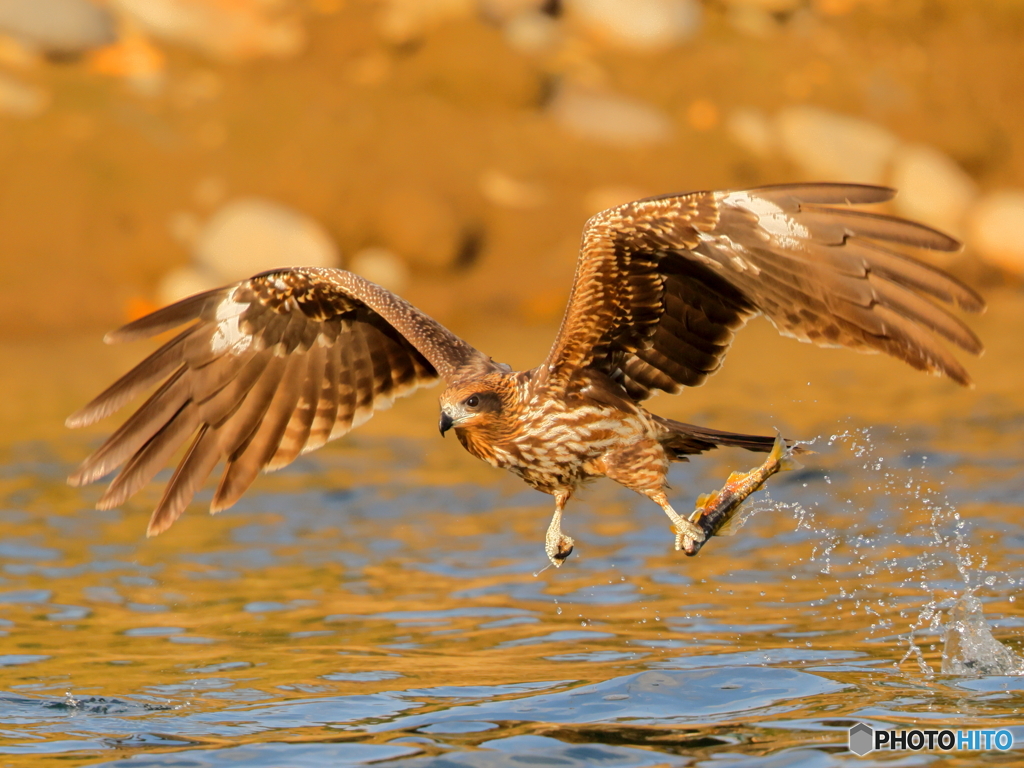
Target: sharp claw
{"x": 558, "y": 550}
{"x": 688, "y": 535}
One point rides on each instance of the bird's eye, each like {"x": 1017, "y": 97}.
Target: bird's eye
{"x": 473, "y": 401}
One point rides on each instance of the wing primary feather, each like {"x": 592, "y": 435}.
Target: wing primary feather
{"x": 235, "y": 434}
{"x": 222, "y": 404}
{"x": 164, "y": 319}
{"x": 151, "y": 458}
{"x": 258, "y": 448}
{"x": 136, "y": 431}
{"x": 915, "y": 274}
{"x": 926, "y": 313}
{"x": 918, "y": 347}
{"x": 877, "y": 226}
{"x": 141, "y": 377}
{"x": 791, "y": 196}
{"x": 199, "y": 462}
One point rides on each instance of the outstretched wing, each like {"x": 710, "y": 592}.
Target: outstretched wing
{"x": 662, "y": 284}
{"x": 269, "y": 368}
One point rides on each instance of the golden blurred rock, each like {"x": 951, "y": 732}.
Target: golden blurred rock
{"x": 769, "y": 6}
{"x": 184, "y": 282}
{"x": 184, "y": 227}
{"x": 702, "y": 114}
{"x": 381, "y": 266}
{"x": 996, "y": 229}
{"x": 640, "y": 25}
{"x": 829, "y": 145}
{"x": 932, "y": 187}
{"x": 17, "y": 54}
{"x": 753, "y": 130}
{"x": 135, "y": 59}
{"x": 532, "y": 32}
{"x": 504, "y": 11}
{"x": 608, "y": 118}
{"x": 402, "y": 21}
{"x": 58, "y": 27}
{"x": 21, "y": 99}
{"x": 210, "y": 191}
{"x": 602, "y": 198}
{"x": 420, "y": 226}
{"x": 509, "y": 192}
{"x": 249, "y": 235}
{"x": 753, "y": 21}
{"x": 227, "y": 29}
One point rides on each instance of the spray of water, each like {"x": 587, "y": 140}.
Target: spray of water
{"x": 875, "y": 551}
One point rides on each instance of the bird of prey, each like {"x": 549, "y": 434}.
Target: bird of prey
{"x": 277, "y": 365}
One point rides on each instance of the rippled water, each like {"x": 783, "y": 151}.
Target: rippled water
{"x": 384, "y": 600}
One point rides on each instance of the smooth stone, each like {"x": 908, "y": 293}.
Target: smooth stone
{"x": 381, "y": 266}
{"x": 532, "y": 32}
{"x": 58, "y": 27}
{"x": 244, "y": 29}
{"x": 996, "y": 229}
{"x": 21, "y": 99}
{"x": 828, "y": 145}
{"x": 403, "y": 21}
{"x": 183, "y": 282}
{"x": 252, "y": 234}
{"x": 509, "y": 192}
{"x": 652, "y": 25}
{"x": 753, "y": 130}
{"x": 420, "y": 225}
{"x": 608, "y": 118}
{"x": 933, "y": 189}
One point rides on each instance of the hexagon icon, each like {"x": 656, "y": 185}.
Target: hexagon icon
{"x": 862, "y": 737}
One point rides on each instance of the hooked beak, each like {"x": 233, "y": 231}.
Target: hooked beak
{"x": 446, "y": 422}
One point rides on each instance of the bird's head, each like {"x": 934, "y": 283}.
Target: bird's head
{"x": 478, "y": 403}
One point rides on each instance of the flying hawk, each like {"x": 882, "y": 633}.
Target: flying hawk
{"x": 279, "y": 364}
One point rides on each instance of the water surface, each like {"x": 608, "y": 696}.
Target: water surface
{"x": 385, "y": 600}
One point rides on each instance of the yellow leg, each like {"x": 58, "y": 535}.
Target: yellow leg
{"x": 557, "y": 545}
{"x": 685, "y": 530}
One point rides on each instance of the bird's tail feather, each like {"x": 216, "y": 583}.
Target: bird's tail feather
{"x": 682, "y": 439}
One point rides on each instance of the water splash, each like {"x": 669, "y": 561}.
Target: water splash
{"x": 898, "y": 489}
{"x": 970, "y": 648}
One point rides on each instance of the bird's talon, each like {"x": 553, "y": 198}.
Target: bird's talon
{"x": 688, "y": 534}
{"x": 558, "y": 551}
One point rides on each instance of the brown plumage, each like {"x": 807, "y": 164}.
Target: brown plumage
{"x": 281, "y": 363}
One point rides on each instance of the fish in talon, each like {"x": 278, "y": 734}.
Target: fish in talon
{"x": 718, "y": 513}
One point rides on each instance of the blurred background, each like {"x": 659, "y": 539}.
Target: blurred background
{"x": 452, "y": 149}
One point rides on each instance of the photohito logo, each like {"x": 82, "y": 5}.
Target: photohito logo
{"x": 864, "y": 739}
